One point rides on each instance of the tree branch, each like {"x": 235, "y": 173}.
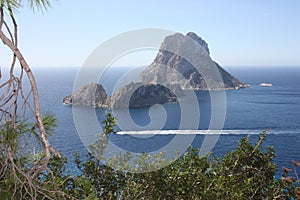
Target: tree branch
{"x": 25, "y": 66}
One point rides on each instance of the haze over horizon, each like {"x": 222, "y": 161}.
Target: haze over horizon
{"x": 238, "y": 33}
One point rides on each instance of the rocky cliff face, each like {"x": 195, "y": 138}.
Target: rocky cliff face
{"x": 90, "y": 95}
{"x": 180, "y": 61}
{"x": 133, "y": 95}
{"x": 136, "y": 95}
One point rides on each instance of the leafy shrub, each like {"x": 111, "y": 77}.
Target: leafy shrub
{"x": 246, "y": 172}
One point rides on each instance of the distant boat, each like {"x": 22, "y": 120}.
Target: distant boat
{"x": 266, "y": 84}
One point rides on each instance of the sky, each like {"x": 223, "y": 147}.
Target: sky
{"x": 238, "y": 32}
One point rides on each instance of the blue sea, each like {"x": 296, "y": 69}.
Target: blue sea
{"x": 249, "y": 111}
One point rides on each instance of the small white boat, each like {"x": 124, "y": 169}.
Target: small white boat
{"x": 266, "y": 84}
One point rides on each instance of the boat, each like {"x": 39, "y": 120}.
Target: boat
{"x": 266, "y": 84}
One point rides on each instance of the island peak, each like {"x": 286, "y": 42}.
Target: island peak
{"x": 182, "y": 63}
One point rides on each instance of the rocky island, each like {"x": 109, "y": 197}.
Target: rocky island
{"x": 165, "y": 78}
{"x": 90, "y": 95}
{"x": 133, "y": 95}
{"x": 171, "y": 68}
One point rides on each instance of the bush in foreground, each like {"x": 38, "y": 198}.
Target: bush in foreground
{"x": 246, "y": 172}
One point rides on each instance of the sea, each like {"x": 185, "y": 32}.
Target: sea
{"x": 248, "y": 112}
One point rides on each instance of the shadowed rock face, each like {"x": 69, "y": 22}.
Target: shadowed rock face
{"x": 185, "y": 60}
{"x": 136, "y": 95}
{"x": 133, "y": 95}
{"x": 90, "y": 95}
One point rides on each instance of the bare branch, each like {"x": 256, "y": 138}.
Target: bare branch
{"x": 16, "y": 102}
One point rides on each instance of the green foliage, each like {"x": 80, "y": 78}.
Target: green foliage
{"x": 107, "y": 181}
{"x": 10, "y": 133}
{"x": 184, "y": 178}
{"x": 246, "y": 172}
{"x": 66, "y": 186}
{"x": 109, "y": 123}
{"x": 49, "y": 122}
{"x": 98, "y": 147}
{"x": 34, "y": 4}
{"x": 18, "y": 163}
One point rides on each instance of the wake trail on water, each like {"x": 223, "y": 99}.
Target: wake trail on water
{"x": 205, "y": 132}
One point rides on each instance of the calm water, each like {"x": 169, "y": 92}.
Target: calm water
{"x": 249, "y": 111}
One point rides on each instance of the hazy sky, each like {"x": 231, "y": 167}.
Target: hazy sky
{"x": 238, "y": 32}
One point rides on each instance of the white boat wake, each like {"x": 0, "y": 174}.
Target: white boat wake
{"x": 205, "y": 132}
